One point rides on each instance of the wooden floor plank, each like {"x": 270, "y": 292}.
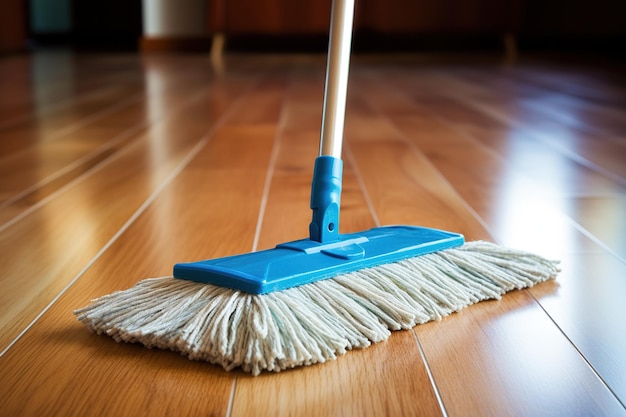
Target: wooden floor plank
{"x": 398, "y": 166}
{"x": 572, "y": 97}
{"x": 587, "y": 305}
{"x": 520, "y": 161}
{"x": 58, "y": 147}
{"x": 186, "y": 221}
{"x": 542, "y": 373}
{"x": 28, "y": 134}
{"x": 45, "y": 83}
{"x": 385, "y": 379}
{"x": 560, "y": 239}
{"x": 33, "y": 175}
{"x": 594, "y": 96}
{"x": 573, "y": 186}
{"x": 556, "y": 120}
{"x": 53, "y": 244}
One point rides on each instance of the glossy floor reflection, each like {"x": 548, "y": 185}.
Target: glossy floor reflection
{"x": 115, "y": 167}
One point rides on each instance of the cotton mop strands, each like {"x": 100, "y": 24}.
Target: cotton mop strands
{"x": 315, "y": 322}
{"x": 307, "y": 301}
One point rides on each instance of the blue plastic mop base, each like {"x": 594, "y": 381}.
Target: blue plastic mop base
{"x": 305, "y": 261}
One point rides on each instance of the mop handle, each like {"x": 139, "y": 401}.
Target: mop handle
{"x": 336, "y": 88}
{"x": 326, "y": 187}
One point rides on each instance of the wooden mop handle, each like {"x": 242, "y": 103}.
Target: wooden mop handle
{"x": 337, "y": 67}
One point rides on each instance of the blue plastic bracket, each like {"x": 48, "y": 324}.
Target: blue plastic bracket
{"x": 305, "y": 261}
{"x": 326, "y": 199}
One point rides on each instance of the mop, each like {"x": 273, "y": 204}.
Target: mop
{"x": 308, "y": 301}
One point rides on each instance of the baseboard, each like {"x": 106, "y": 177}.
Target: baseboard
{"x": 175, "y": 44}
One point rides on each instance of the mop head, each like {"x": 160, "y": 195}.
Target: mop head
{"x": 315, "y": 322}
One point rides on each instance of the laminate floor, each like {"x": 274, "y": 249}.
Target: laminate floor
{"x": 115, "y": 167}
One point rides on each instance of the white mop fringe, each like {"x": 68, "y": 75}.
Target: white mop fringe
{"x": 315, "y": 322}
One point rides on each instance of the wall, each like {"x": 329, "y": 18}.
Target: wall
{"x": 12, "y": 25}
